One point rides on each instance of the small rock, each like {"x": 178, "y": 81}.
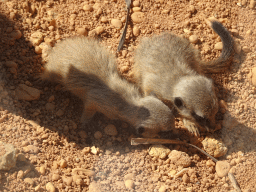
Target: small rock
{"x": 55, "y": 177}
{"x": 20, "y": 174}
{"x": 162, "y": 188}
{"x": 129, "y": 184}
{"x": 136, "y": 31}
{"x": 96, "y": 6}
{"x": 86, "y": 150}
{"x": 136, "y": 9}
{"x": 166, "y": 11}
{"x": 137, "y": 17}
{"x": 252, "y": 4}
{"x": 95, "y": 150}
{"x": 42, "y": 170}
{"x": 12, "y": 15}
{"x": 110, "y": 130}
{"x": 68, "y": 180}
{"x": 82, "y": 31}
{"x": 193, "y": 39}
{"x": 7, "y": 156}
{"x": 136, "y": 3}
{"x": 185, "y": 178}
{"x": 36, "y": 38}
{"x": 87, "y": 8}
{"x": 214, "y": 147}
{"x": 129, "y": 176}
{"x": 187, "y": 31}
{"x": 49, "y": 106}
{"x": 99, "y": 30}
{"x": 37, "y": 188}
{"x": 94, "y": 187}
{"x": 97, "y": 135}
{"x": 104, "y": 20}
{"x": 249, "y": 32}
{"x": 234, "y": 32}
{"x": 29, "y": 181}
{"x": 222, "y": 168}
{"x": 157, "y": 26}
{"x": 218, "y": 46}
{"x": 124, "y": 69}
{"x": 50, "y": 187}
{"x": 9, "y": 29}
{"x": 159, "y": 151}
{"x": 63, "y": 163}
{"x": 253, "y": 76}
{"x": 38, "y": 50}
{"x": 11, "y": 64}
{"x": 180, "y": 158}
{"x": 60, "y": 112}
{"x": 246, "y": 49}
{"x": 31, "y": 149}
{"x": 23, "y": 92}
{"x": 16, "y": 34}
{"x": 117, "y": 23}
{"x": 21, "y": 157}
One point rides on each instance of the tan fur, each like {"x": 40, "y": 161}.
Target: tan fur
{"x": 89, "y": 71}
{"x": 169, "y": 67}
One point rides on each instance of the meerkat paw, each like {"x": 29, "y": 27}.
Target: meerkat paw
{"x": 191, "y": 127}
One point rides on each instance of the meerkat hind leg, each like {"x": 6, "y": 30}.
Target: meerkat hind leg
{"x": 191, "y": 127}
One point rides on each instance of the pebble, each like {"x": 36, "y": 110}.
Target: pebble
{"x": 68, "y": 180}
{"x": 20, "y": 174}
{"x": 159, "y": 151}
{"x": 95, "y": 150}
{"x": 129, "y": 184}
{"x": 97, "y": 135}
{"x": 38, "y": 187}
{"x": 214, "y": 147}
{"x": 96, "y": 6}
{"x": 12, "y": 15}
{"x": 162, "y": 188}
{"x": 104, "y": 20}
{"x": 49, "y": 106}
{"x": 50, "y": 187}
{"x": 136, "y": 31}
{"x": 42, "y": 170}
{"x": 16, "y": 34}
{"x": 218, "y": 46}
{"x": 8, "y": 157}
{"x": 249, "y": 32}
{"x": 185, "y": 178}
{"x": 55, "y": 177}
{"x": 252, "y": 4}
{"x": 87, "y": 8}
{"x": 63, "y": 163}
{"x": 246, "y": 49}
{"x": 137, "y": 17}
{"x": 136, "y": 3}
{"x": 222, "y": 168}
{"x": 60, "y": 112}
{"x": 124, "y": 69}
{"x": 21, "y": 157}
{"x": 117, "y": 23}
{"x": 82, "y": 31}
{"x": 11, "y": 64}
{"x": 29, "y": 181}
{"x": 36, "y": 38}
{"x": 38, "y": 50}
{"x": 253, "y": 76}
{"x": 166, "y": 11}
{"x": 110, "y": 130}
{"x": 136, "y": 9}
{"x": 157, "y": 26}
{"x": 193, "y": 39}
{"x": 23, "y": 92}
{"x": 99, "y": 30}
{"x": 180, "y": 158}
{"x": 234, "y": 32}
{"x": 187, "y": 31}
{"x": 31, "y": 149}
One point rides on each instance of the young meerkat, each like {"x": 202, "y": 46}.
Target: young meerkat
{"x": 88, "y": 70}
{"x": 168, "y": 66}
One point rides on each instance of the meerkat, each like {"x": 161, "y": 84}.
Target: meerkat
{"x": 168, "y": 66}
{"x": 89, "y": 71}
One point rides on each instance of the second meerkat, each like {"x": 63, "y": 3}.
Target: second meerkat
{"x": 168, "y": 66}
{"x": 89, "y": 71}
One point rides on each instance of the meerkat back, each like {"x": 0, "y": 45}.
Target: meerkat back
{"x": 168, "y": 66}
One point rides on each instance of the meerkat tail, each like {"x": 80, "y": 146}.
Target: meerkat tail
{"x": 223, "y": 62}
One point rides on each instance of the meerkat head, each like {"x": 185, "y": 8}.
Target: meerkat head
{"x": 154, "y": 115}
{"x": 194, "y": 98}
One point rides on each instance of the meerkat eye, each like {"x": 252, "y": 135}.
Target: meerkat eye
{"x": 178, "y": 102}
{"x": 140, "y": 130}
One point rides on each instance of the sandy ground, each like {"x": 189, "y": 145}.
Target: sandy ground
{"x": 55, "y": 153}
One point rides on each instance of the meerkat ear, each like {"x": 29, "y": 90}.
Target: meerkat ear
{"x": 178, "y": 102}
